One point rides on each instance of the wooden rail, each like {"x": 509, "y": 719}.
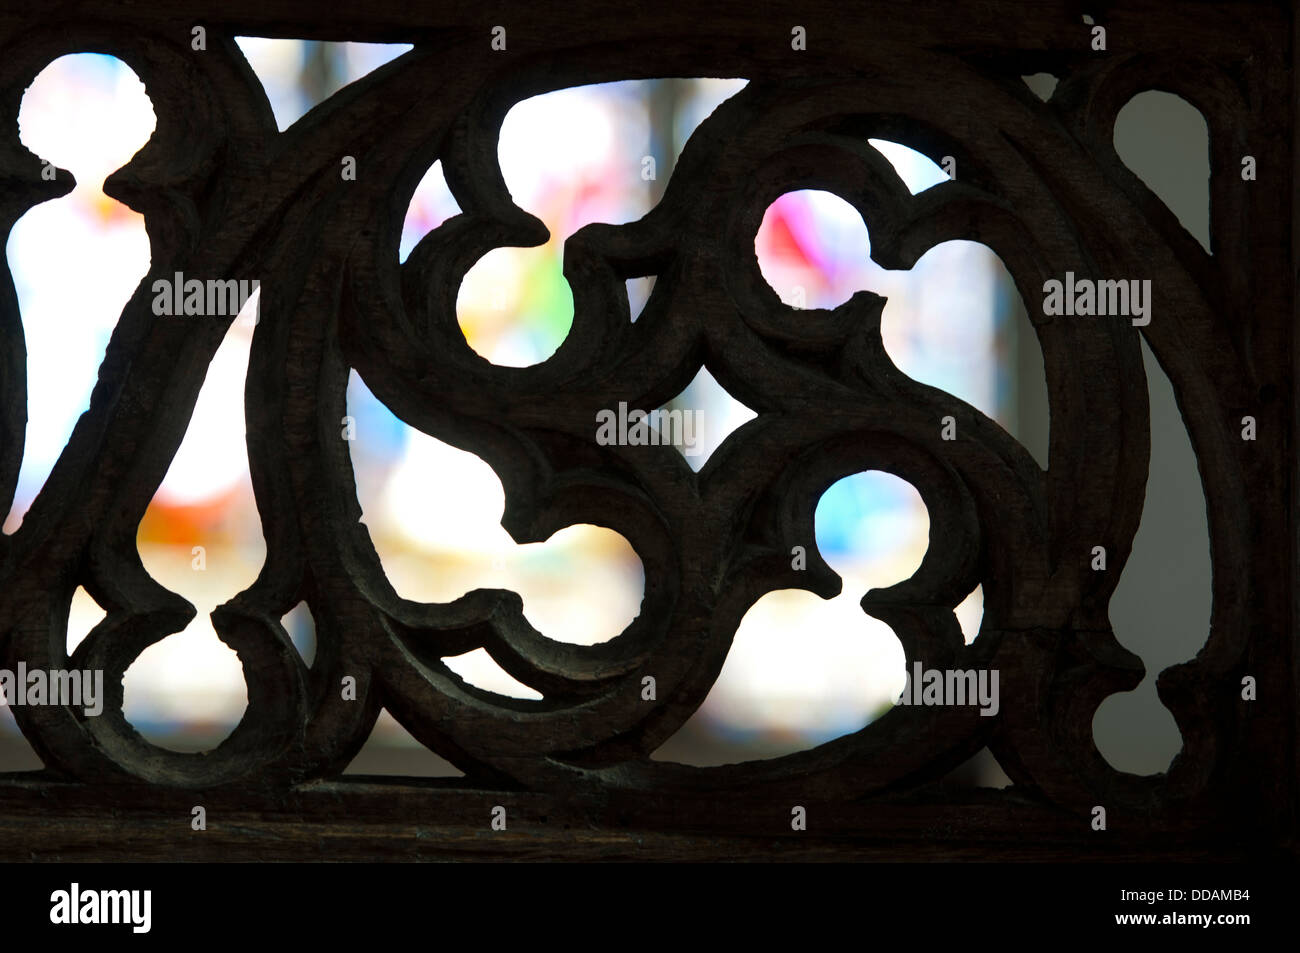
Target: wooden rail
{"x": 226, "y": 196}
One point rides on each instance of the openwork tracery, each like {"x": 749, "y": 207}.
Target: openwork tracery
{"x": 225, "y": 194}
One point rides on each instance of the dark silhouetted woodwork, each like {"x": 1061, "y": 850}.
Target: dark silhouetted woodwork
{"x": 225, "y": 195}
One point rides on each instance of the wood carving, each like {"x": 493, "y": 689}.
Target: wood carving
{"x": 225, "y": 195}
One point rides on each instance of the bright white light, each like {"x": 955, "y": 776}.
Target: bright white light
{"x": 439, "y": 494}
{"x": 918, "y": 171}
{"x": 75, "y": 260}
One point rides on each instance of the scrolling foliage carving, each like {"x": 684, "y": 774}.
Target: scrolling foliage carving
{"x": 223, "y": 193}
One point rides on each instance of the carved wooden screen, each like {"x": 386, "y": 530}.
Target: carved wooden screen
{"x": 226, "y": 196}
